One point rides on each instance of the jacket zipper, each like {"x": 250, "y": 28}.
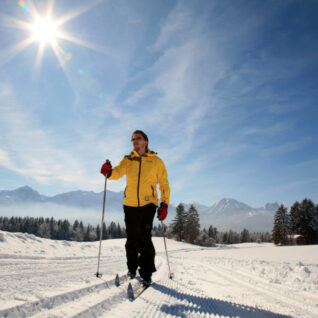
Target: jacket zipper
{"x": 139, "y": 181}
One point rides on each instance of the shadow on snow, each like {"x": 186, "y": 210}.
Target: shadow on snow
{"x": 205, "y": 305}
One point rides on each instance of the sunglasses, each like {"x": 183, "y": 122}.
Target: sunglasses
{"x": 137, "y": 138}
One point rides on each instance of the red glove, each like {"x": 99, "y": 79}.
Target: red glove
{"x": 106, "y": 169}
{"x": 162, "y": 211}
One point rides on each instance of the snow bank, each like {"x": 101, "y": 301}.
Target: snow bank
{"x": 25, "y": 245}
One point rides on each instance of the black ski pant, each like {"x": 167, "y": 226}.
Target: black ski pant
{"x": 139, "y": 247}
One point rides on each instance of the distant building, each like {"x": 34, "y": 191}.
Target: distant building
{"x": 299, "y": 239}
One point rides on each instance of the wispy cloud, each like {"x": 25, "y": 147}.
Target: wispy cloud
{"x": 307, "y": 163}
{"x": 30, "y": 151}
{"x": 285, "y": 147}
{"x": 5, "y": 160}
{"x": 135, "y": 21}
{"x": 178, "y": 96}
{"x": 267, "y": 130}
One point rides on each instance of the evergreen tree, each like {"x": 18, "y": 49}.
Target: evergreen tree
{"x": 12, "y": 222}
{"x": 308, "y": 220}
{"x": 295, "y": 218}
{"x": 59, "y": 231}
{"x": 177, "y": 226}
{"x": 98, "y": 232}
{"x": 53, "y": 229}
{"x": 75, "y": 225}
{"x": 157, "y": 230}
{"x": 233, "y": 237}
{"x": 34, "y": 226}
{"x": 105, "y": 232}
{"x": 112, "y": 230}
{"x": 204, "y": 239}
{"x": 64, "y": 230}
{"x": 20, "y": 224}
{"x": 119, "y": 231}
{"x": 213, "y": 232}
{"x": 192, "y": 225}
{"x": 81, "y": 225}
{"x": 225, "y": 237}
{"x": 245, "y": 236}
{"x": 87, "y": 232}
{"x": 81, "y": 231}
{"x": 26, "y": 225}
{"x": 44, "y": 230}
{"x": 78, "y": 232}
{"x": 281, "y": 226}
{"x": 91, "y": 234}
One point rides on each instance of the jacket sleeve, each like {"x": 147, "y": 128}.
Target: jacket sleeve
{"x": 162, "y": 177}
{"x": 119, "y": 170}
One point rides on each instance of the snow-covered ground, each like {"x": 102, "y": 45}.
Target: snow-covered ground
{"x": 46, "y": 278}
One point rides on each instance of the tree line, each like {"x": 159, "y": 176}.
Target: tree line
{"x": 186, "y": 227}
{"x": 301, "y": 219}
{"x": 61, "y": 229}
{"x": 64, "y": 230}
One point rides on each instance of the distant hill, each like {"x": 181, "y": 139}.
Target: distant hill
{"x": 21, "y": 195}
{"x": 83, "y": 199}
{"x": 225, "y": 214}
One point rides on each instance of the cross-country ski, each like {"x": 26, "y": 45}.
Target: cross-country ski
{"x": 136, "y": 291}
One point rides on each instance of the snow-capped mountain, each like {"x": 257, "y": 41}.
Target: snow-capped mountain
{"x": 228, "y": 206}
{"x": 21, "y": 195}
{"x": 225, "y": 214}
{"x": 200, "y": 207}
{"x": 88, "y": 199}
{"x": 232, "y": 214}
{"x": 74, "y": 198}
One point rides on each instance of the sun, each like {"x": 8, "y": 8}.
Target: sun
{"x": 45, "y": 30}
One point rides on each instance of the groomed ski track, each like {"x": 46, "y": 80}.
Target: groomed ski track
{"x": 199, "y": 289}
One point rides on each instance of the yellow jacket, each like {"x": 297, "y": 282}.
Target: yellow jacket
{"x": 142, "y": 175}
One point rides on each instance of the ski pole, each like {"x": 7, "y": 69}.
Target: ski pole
{"x": 164, "y": 240}
{"x": 98, "y": 274}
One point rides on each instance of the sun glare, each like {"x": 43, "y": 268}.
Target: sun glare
{"x": 45, "y": 30}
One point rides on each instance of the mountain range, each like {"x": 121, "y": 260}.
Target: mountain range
{"x": 225, "y": 214}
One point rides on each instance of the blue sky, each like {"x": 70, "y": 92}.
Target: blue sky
{"x": 226, "y": 91}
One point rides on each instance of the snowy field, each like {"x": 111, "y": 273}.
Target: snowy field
{"x": 46, "y": 278}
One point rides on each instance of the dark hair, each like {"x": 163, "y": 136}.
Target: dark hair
{"x": 143, "y": 135}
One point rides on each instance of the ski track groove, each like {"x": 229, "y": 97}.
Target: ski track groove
{"x": 194, "y": 303}
{"x": 64, "y": 269}
{"x": 91, "y": 305}
{"x": 102, "y": 306}
{"x": 282, "y": 288}
{"x": 28, "y": 308}
{"x": 159, "y": 301}
{"x": 189, "y": 304}
{"x": 289, "y": 300}
{"x": 91, "y": 301}
{"x": 164, "y": 298}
